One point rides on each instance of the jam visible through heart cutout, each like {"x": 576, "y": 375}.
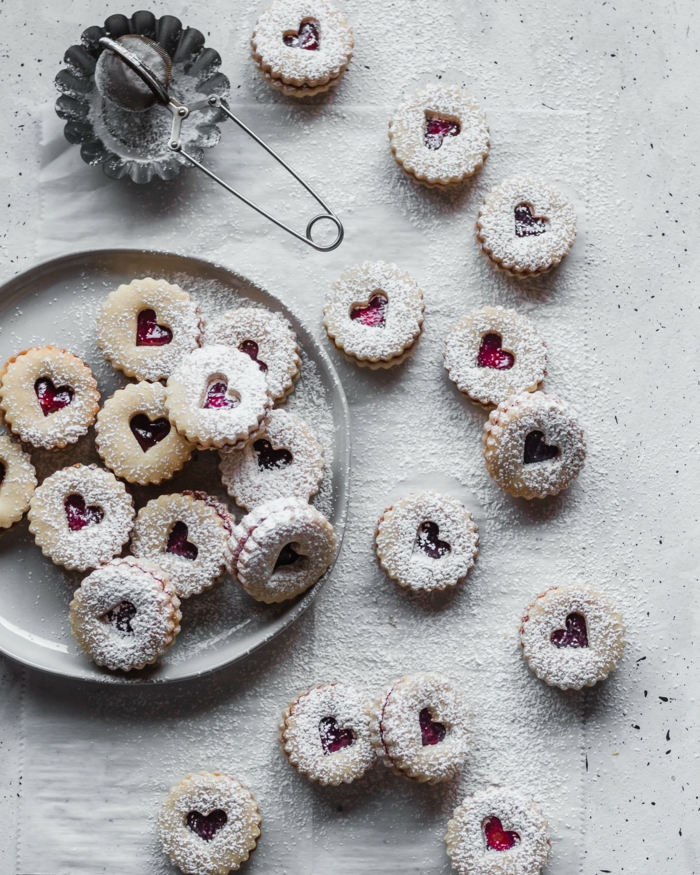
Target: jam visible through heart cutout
{"x": 527, "y": 225}
{"x": 537, "y": 450}
{"x": 307, "y": 37}
{"x": 497, "y": 838}
{"x": 427, "y": 541}
{"x": 217, "y": 397}
{"x": 269, "y": 458}
{"x": 121, "y": 616}
{"x": 575, "y": 634}
{"x": 149, "y": 332}
{"x": 206, "y": 826}
{"x": 148, "y": 432}
{"x": 80, "y": 515}
{"x": 333, "y": 738}
{"x": 373, "y": 315}
{"x": 50, "y": 398}
{"x": 436, "y": 129}
{"x": 178, "y": 543}
{"x": 250, "y": 347}
{"x": 288, "y": 556}
{"x": 431, "y": 732}
{"x": 492, "y": 354}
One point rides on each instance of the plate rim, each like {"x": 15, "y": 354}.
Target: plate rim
{"x": 72, "y": 259}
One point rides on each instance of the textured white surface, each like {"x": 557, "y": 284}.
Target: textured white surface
{"x": 600, "y": 98}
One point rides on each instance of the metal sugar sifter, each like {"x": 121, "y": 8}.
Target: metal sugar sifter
{"x": 139, "y": 86}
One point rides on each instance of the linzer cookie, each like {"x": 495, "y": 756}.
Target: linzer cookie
{"x": 134, "y": 437}
{"x": 145, "y": 328}
{"x": 48, "y": 396}
{"x": 421, "y": 728}
{"x": 572, "y": 636}
{"x": 285, "y": 459}
{"x": 439, "y": 135}
{"x": 125, "y": 614}
{"x": 497, "y": 831}
{"x": 81, "y": 516}
{"x": 374, "y": 314}
{"x": 534, "y": 445}
{"x": 185, "y": 535}
{"x": 325, "y": 733}
{"x": 218, "y": 397}
{"x": 427, "y": 541}
{"x": 209, "y": 824}
{"x": 492, "y": 353}
{"x": 302, "y": 47}
{"x": 526, "y": 226}
{"x": 17, "y": 482}
{"x": 281, "y": 549}
{"x": 267, "y": 338}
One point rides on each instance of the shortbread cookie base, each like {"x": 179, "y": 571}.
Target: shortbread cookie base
{"x": 231, "y": 845}
{"x": 300, "y": 734}
{"x": 18, "y": 483}
{"x": 572, "y": 667}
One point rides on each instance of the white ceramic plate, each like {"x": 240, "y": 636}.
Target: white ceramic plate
{"x": 56, "y": 303}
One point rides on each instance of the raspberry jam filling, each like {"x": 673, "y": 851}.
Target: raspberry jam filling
{"x": 217, "y": 397}
{"x": 81, "y": 515}
{"x": 333, "y": 738}
{"x": 148, "y": 432}
{"x": 431, "y": 731}
{"x": 269, "y": 457}
{"x": 50, "y": 398}
{"x": 427, "y": 541}
{"x": 178, "y": 543}
{"x": 149, "y": 332}
{"x": 436, "y": 129}
{"x": 527, "y": 225}
{"x": 373, "y": 314}
{"x": 537, "y": 450}
{"x": 575, "y": 634}
{"x": 121, "y": 616}
{"x": 250, "y": 347}
{"x": 206, "y": 826}
{"x": 492, "y": 355}
{"x": 307, "y": 37}
{"x": 497, "y": 838}
{"x": 288, "y": 556}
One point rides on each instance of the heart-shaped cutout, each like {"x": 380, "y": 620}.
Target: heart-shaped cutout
{"x": 149, "y": 332}
{"x": 307, "y": 37}
{"x": 217, "y": 397}
{"x": 206, "y": 826}
{"x": 575, "y": 634}
{"x": 81, "y": 515}
{"x": 178, "y": 543}
{"x": 148, "y": 432}
{"x": 527, "y": 225}
{"x": 427, "y": 541}
{"x": 372, "y": 314}
{"x": 333, "y": 738}
{"x": 52, "y": 399}
{"x": 121, "y": 616}
{"x": 250, "y": 347}
{"x": 497, "y": 838}
{"x": 537, "y": 449}
{"x": 436, "y": 129}
{"x": 268, "y": 457}
{"x": 492, "y": 354}
{"x": 288, "y": 556}
{"x": 431, "y": 732}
